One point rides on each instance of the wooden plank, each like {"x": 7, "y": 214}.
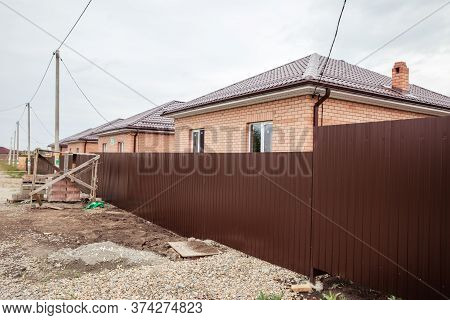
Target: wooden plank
{"x": 190, "y": 249}
{"x": 63, "y": 176}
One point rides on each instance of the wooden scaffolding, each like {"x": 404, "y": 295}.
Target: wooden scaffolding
{"x": 70, "y": 175}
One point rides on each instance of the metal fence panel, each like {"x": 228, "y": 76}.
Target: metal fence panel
{"x": 382, "y": 205}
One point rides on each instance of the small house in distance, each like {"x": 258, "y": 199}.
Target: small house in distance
{"x": 147, "y": 131}
{"x": 84, "y": 141}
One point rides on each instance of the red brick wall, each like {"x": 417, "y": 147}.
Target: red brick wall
{"x": 155, "y": 142}
{"x": 113, "y": 140}
{"x": 83, "y": 147}
{"x": 227, "y": 130}
{"x": 145, "y": 142}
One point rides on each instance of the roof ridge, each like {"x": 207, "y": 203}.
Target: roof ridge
{"x": 152, "y": 111}
{"x": 312, "y": 69}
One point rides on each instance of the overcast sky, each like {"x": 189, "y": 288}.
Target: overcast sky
{"x": 179, "y": 50}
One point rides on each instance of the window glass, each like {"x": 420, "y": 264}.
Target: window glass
{"x": 104, "y": 147}
{"x": 261, "y": 137}
{"x": 255, "y": 137}
{"x": 195, "y": 141}
{"x": 120, "y": 145}
{"x": 198, "y": 140}
{"x": 202, "y": 141}
{"x": 267, "y": 137}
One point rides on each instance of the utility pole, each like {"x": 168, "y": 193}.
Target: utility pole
{"x": 17, "y": 150}
{"x": 57, "y": 109}
{"x": 14, "y": 149}
{"x": 29, "y": 144}
{"x": 10, "y": 150}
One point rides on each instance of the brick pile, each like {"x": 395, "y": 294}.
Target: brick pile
{"x": 64, "y": 191}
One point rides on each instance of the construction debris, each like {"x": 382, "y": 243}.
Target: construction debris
{"x": 302, "y": 287}
{"x": 194, "y": 248}
{"x": 27, "y": 187}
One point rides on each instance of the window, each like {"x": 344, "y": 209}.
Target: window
{"x": 104, "y": 146}
{"x": 198, "y": 140}
{"x": 120, "y": 146}
{"x": 78, "y": 150}
{"x": 260, "y": 137}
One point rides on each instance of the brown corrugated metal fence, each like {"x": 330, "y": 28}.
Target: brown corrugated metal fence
{"x": 380, "y": 198}
{"x": 234, "y": 199}
{"x": 381, "y": 191}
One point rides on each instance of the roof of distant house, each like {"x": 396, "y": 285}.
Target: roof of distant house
{"x": 338, "y": 74}
{"x": 150, "y": 120}
{"x": 86, "y": 135}
{"x": 4, "y": 150}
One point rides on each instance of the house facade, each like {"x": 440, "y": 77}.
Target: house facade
{"x": 145, "y": 132}
{"x": 276, "y": 111}
{"x": 83, "y": 142}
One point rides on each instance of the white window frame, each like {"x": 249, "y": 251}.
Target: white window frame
{"x": 120, "y": 146}
{"x": 262, "y": 124}
{"x": 192, "y": 140}
{"x": 104, "y": 147}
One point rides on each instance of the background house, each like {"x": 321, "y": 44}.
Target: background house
{"x": 84, "y": 141}
{"x": 274, "y": 111}
{"x": 145, "y": 132}
{"x": 4, "y": 153}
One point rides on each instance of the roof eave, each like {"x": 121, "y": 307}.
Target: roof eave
{"x": 307, "y": 88}
{"x": 132, "y": 129}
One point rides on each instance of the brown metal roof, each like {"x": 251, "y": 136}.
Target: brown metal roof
{"x": 85, "y": 135}
{"x": 338, "y": 74}
{"x": 147, "y": 120}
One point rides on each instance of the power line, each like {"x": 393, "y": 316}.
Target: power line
{"x": 331, "y": 47}
{"x": 79, "y": 54}
{"x": 76, "y": 22}
{"x": 42, "y": 79}
{"x": 403, "y": 32}
{"x": 82, "y": 92}
{"x": 34, "y": 140}
{"x": 21, "y": 116}
{"x": 11, "y": 108}
{"x": 42, "y": 123}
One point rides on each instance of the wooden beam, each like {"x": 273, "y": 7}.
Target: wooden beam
{"x": 35, "y": 166}
{"x": 65, "y": 175}
{"x": 80, "y": 182}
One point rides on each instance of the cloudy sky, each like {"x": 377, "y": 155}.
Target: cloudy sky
{"x": 178, "y": 49}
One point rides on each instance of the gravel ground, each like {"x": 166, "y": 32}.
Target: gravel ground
{"x": 231, "y": 275}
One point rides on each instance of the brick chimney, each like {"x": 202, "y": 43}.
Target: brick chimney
{"x": 400, "y": 77}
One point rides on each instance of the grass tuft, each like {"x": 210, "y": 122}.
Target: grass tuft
{"x": 332, "y": 296}
{"x": 270, "y": 296}
{"x": 11, "y": 170}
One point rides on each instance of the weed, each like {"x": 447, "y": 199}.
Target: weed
{"x": 270, "y": 296}
{"x": 332, "y": 296}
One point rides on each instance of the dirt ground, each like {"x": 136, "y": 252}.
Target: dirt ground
{"x": 29, "y": 237}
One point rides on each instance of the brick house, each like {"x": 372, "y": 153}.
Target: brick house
{"x": 4, "y": 153}
{"x": 145, "y": 132}
{"x": 84, "y": 141}
{"x": 276, "y": 110}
